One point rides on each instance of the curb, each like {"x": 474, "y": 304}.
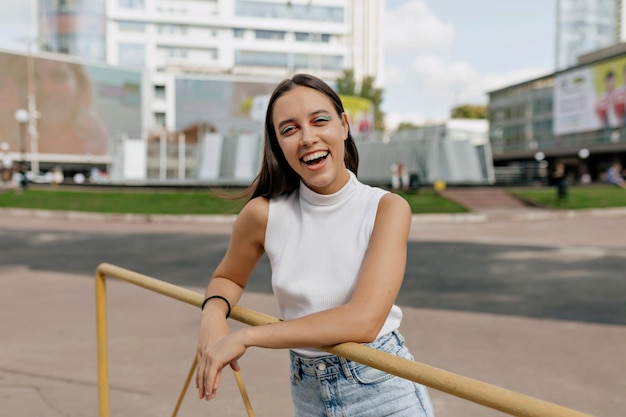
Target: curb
{"x": 119, "y": 217}
{"x": 478, "y": 217}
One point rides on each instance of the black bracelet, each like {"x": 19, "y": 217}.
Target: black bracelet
{"x": 221, "y": 298}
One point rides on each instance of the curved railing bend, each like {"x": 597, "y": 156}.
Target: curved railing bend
{"x": 491, "y": 396}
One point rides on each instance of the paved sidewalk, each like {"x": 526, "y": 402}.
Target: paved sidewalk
{"x": 48, "y": 350}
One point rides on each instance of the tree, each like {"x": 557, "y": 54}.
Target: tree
{"x": 469, "y": 111}
{"x": 347, "y": 85}
{"x": 406, "y": 126}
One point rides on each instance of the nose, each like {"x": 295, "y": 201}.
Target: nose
{"x": 308, "y": 137}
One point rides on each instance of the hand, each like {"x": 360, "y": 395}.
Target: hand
{"x": 211, "y": 361}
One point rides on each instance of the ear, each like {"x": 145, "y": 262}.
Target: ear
{"x": 345, "y": 124}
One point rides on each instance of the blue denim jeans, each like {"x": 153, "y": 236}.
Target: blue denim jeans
{"x": 331, "y": 386}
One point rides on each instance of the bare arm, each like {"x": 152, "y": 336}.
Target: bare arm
{"x": 244, "y": 251}
{"x": 230, "y": 277}
{"x": 359, "y": 320}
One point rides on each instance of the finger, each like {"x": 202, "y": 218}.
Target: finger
{"x": 198, "y": 359}
{"x": 208, "y": 384}
{"x": 234, "y": 365}
{"x": 200, "y": 375}
{"x": 211, "y": 383}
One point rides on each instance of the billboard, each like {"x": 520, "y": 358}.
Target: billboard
{"x": 591, "y": 97}
{"x": 360, "y": 113}
{"x": 219, "y": 102}
{"x": 79, "y": 106}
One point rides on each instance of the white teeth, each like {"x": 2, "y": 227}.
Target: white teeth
{"x": 314, "y": 155}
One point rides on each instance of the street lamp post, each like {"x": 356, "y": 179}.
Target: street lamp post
{"x": 22, "y": 117}
{"x": 585, "y": 177}
{"x": 33, "y": 114}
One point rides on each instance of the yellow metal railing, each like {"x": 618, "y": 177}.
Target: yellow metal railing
{"x": 504, "y": 400}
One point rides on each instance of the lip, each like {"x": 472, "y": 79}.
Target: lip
{"x": 317, "y": 167}
{"x": 301, "y": 158}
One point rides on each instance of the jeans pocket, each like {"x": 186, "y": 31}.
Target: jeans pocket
{"x": 367, "y": 375}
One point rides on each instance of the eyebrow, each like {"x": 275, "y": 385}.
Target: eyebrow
{"x": 315, "y": 113}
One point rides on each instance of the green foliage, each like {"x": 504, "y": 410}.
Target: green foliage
{"x": 347, "y": 85}
{"x": 407, "y": 126}
{"x": 134, "y": 202}
{"x": 171, "y": 202}
{"x": 426, "y": 201}
{"x": 580, "y": 197}
{"x": 205, "y": 202}
{"x": 469, "y": 111}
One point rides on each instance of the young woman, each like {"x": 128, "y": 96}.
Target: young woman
{"x": 337, "y": 250}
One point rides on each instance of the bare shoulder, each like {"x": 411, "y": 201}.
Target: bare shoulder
{"x": 255, "y": 213}
{"x": 392, "y": 204}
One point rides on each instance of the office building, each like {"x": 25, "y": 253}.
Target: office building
{"x": 583, "y": 26}
{"x": 576, "y": 116}
{"x": 248, "y": 37}
{"x": 241, "y": 40}
{"x": 75, "y": 28}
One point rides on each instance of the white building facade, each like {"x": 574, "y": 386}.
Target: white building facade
{"x": 259, "y": 39}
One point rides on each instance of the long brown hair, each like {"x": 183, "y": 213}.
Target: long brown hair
{"x": 276, "y": 177}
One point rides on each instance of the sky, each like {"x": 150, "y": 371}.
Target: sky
{"x": 441, "y": 53}
{"x": 438, "y": 53}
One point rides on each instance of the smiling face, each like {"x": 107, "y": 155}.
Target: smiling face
{"x": 311, "y": 135}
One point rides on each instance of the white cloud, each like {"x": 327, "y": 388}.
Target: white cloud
{"x": 434, "y": 84}
{"x": 494, "y": 81}
{"x": 439, "y": 72}
{"x": 462, "y": 82}
{"x": 413, "y": 27}
{"x": 423, "y": 80}
{"x": 394, "y": 74}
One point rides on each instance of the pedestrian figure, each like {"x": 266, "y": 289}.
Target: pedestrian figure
{"x": 7, "y": 164}
{"x": 560, "y": 180}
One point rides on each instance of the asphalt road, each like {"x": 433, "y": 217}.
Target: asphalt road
{"x": 581, "y": 283}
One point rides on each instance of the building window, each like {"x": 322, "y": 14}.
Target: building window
{"x": 159, "y": 119}
{"x": 269, "y": 34}
{"x": 288, "y": 10}
{"x": 312, "y": 37}
{"x": 302, "y": 37}
{"x": 263, "y": 59}
{"x": 313, "y": 61}
{"x": 131, "y": 4}
{"x": 67, "y": 6}
{"x": 172, "y": 29}
{"x": 125, "y": 26}
{"x": 159, "y": 91}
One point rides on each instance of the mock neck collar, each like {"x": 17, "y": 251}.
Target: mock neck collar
{"x": 312, "y": 197}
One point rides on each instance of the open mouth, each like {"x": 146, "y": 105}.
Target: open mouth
{"x": 315, "y": 157}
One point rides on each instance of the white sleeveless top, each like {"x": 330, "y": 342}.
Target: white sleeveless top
{"x": 316, "y": 244}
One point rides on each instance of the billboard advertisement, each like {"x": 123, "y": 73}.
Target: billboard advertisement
{"x": 80, "y": 107}
{"x": 360, "y": 113}
{"x": 591, "y": 97}
{"x": 218, "y": 102}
